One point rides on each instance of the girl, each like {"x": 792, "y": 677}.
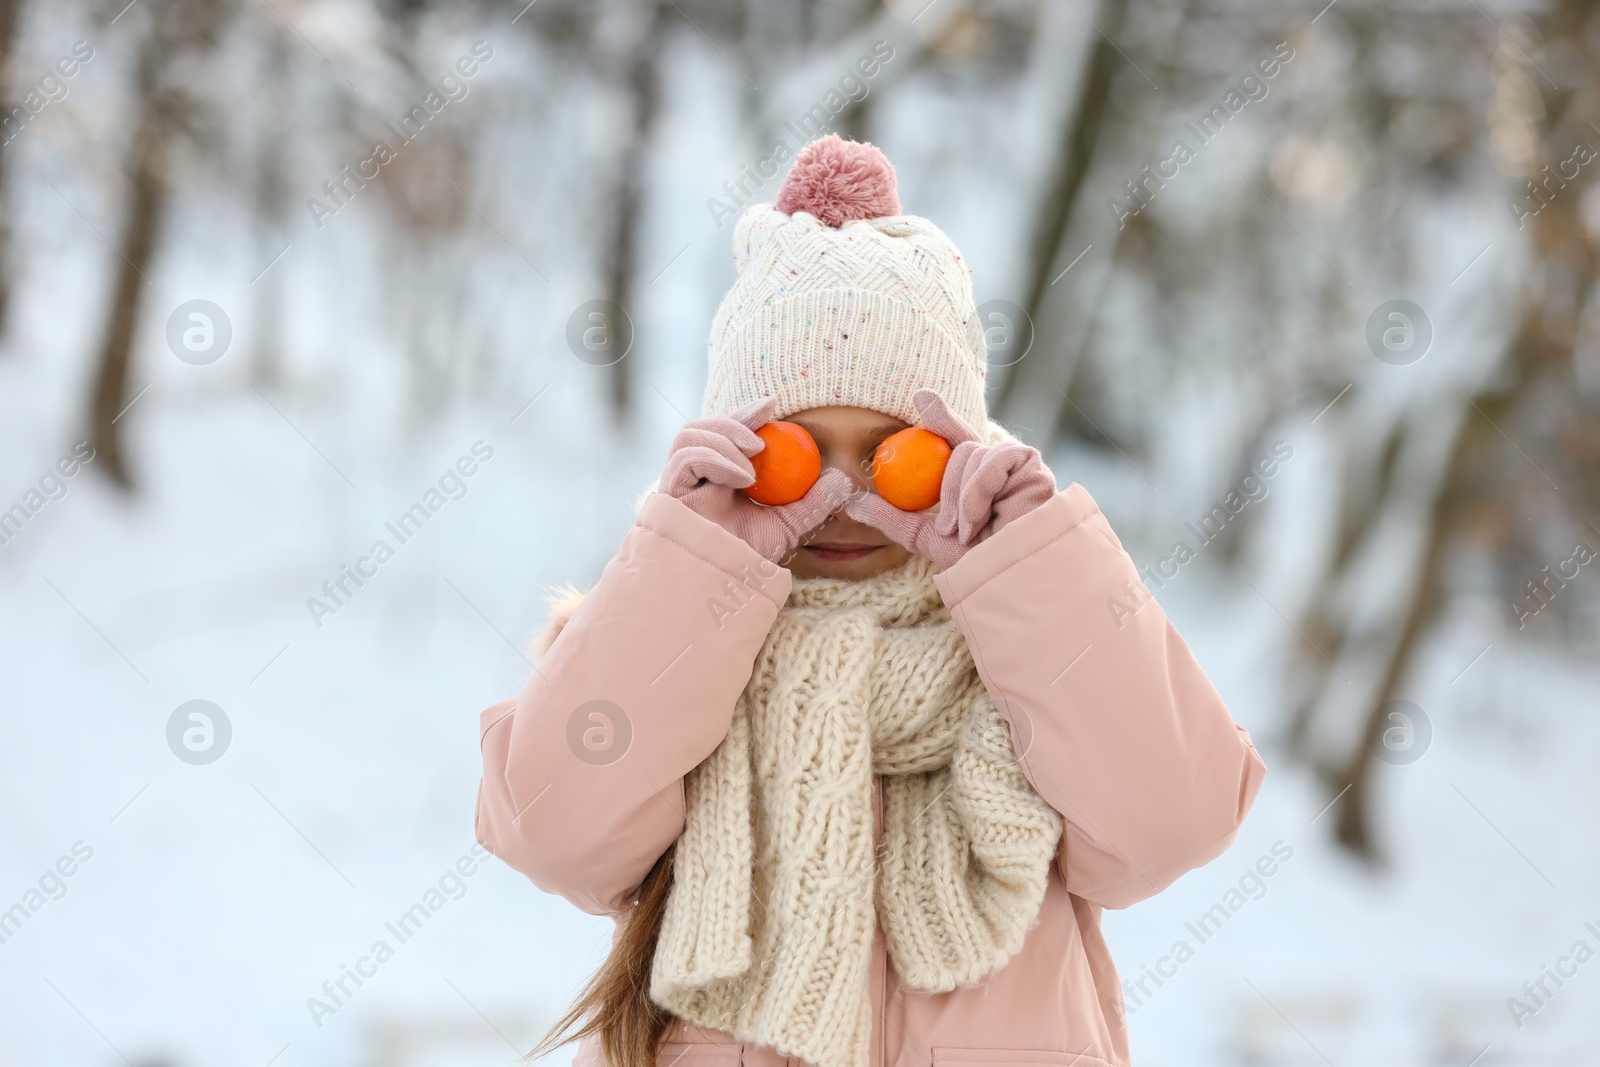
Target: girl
{"x": 855, "y": 783}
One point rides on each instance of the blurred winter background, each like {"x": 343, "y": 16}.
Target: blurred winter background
{"x": 1371, "y": 270}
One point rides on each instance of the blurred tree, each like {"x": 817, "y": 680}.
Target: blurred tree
{"x": 1076, "y": 146}
{"x": 1136, "y": 55}
{"x": 167, "y": 100}
{"x": 1523, "y": 441}
{"x": 1232, "y": 314}
{"x": 639, "y": 60}
{"x": 10, "y": 11}
{"x": 272, "y": 203}
{"x": 429, "y": 293}
{"x": 426, "y": 244}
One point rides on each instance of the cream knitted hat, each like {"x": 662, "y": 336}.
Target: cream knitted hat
{"x": 841, "y": 299}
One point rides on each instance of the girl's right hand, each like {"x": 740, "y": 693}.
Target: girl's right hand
{"x": 709, "y": 463}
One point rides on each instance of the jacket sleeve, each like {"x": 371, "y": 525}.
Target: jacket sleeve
{"x": 1114, "y": 722}
{"x": 582, "y": 787}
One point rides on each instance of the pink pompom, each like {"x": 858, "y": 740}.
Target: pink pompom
{"x": 838, "y": 180}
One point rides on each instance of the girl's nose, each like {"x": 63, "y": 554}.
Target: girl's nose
{"x": 859, "y": 470}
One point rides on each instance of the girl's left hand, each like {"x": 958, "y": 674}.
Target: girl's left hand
{"x": 985, "y": 487}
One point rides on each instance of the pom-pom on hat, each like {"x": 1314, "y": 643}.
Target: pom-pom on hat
{"x": 841, "y": 299}
{"x": 839, "y": 181}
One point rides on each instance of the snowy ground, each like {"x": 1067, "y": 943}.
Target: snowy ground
{"x": 219, "y": 898}
{"x": 216, "y": 900}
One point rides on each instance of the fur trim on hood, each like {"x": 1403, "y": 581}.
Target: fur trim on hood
{"x": 564, "y": 603}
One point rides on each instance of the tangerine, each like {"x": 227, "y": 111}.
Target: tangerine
{"x": 787, "y": 468}
{"x": 908, "y": 468}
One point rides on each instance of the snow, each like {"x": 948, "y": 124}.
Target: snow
{"x": 219, "y": 898}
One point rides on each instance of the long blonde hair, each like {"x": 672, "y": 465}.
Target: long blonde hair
{"x": 615, "y": 1003}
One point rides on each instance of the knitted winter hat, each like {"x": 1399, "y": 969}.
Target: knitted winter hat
{"x": 841, "y": 299}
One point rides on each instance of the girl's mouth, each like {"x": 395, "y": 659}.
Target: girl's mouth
{"x": 841, "y": 551}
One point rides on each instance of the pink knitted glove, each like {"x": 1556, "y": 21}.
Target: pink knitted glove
{"x": 984, "y": 488}
{"x": 709, "y": 463}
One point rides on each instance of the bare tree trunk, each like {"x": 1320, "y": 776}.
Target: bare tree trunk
{"x": 1354, "y": 829}
{"x": 644, "y": 90}
{"x": 174, "y": 32}
{"x": 856, "y": 118}
{"x": 1079, "y": 140}
{"x": 145, "y": 207}
{"x": 1364, "y": 492}
{"x": 272, "y": 211}
{"x": 9, "y": 10}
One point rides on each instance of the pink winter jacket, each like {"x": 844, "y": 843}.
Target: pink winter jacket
{"x": 1117, "y": 728}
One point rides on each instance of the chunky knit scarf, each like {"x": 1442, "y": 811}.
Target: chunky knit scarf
{"x": 770, "y": 918}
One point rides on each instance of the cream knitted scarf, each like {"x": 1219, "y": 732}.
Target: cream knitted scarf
{"x": 770, "y": 918}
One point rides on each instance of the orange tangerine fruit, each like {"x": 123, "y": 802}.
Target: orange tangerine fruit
{"x": 787, "y": 468}
{"x": 908, "y": 468}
